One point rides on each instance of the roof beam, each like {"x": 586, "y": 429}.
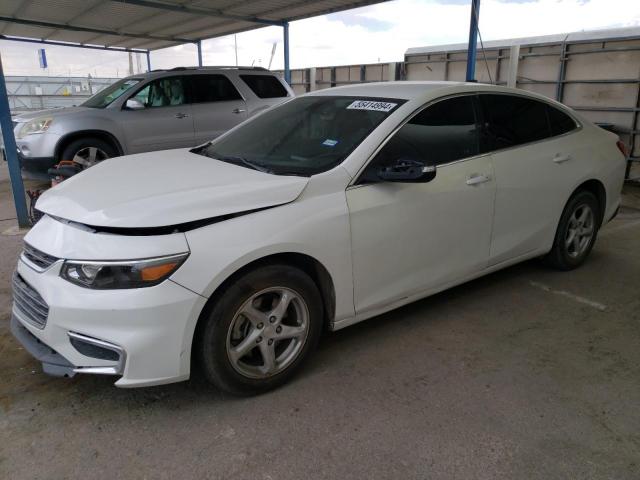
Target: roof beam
{"x": 75, "y": 28}
{"x": 209, "y": 12}
{"x": 68, "y": 44}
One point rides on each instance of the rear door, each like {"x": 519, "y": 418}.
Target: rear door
{"x": 534, "y": 171}
{"x": 164, "y": 121}
{"x": 216, "y": 104}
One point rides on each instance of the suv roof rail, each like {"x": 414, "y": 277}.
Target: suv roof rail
{"x": 215, "y": 67}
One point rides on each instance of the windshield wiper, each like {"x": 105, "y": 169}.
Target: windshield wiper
{"x": 235, "y": 159}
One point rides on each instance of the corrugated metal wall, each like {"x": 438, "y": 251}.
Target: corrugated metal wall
{"x": 599, "y": 78}
{"x": 37, "y": 93}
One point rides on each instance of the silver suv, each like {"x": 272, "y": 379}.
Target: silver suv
{"x": 159, "y": 110}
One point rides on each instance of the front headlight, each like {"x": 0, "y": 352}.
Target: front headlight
{"x": 37, "y": 125}
{"x": 110, "y": 275}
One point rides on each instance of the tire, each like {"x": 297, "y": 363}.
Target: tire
{"x": 570, "y": 250}
{"x": 249, "y": 314}
{"x": 80, "y": 151}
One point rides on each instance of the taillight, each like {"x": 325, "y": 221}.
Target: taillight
{"x": 623, "y": 148}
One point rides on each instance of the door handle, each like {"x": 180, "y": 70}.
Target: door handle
{"x": 561, "y": 158}
{"x": 181, "y": 115}
{"x": 238, "y": 110}
{"x": 478, "y": 179}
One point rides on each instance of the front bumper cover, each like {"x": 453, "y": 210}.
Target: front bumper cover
{"x": 52, "y": 362}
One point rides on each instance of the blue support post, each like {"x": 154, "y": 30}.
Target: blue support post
{"x": 287, "y": 69}
{"x": 473, "y": 41}
{"x": 199, "y": 45}
{"x": 148, "y": 61}
{"x": 11, "y": 151}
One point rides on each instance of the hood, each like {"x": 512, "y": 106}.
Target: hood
{"x": 166, "y": 188}
{"x": 51, "y": 112}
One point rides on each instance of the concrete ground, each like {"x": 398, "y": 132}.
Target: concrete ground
{"x": 525, "y": 374}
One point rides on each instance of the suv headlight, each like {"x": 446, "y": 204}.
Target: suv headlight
{"x": 110, "y": 275}
{"x": 37, "y": 125}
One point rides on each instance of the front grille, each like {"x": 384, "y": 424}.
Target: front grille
{"x": 38, "y": 258}
{"x": 29, "y": 303}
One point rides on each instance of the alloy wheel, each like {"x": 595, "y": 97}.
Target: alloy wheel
{"x": 267, "y": 332}
{"x": 89, "y": 156}
{"x": 580, "y": 230}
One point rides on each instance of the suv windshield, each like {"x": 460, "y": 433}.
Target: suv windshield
{"x": 105, "y": 97}
{"x": 305, "y": 136}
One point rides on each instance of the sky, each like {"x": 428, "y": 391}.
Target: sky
{"x": 377, "y": 33}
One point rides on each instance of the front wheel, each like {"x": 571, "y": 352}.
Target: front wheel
{"x": 260, "y": 330}
{"x": 576, "y": 232}
{"x": 88, "y": 151}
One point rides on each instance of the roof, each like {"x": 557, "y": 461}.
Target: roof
{"x": 574, "y": 37}
{"x": 421, "y": 90}
{"x": 152, "y": 24}
{"x": 405, "y": 90}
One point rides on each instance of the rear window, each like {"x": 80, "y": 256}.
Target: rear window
{"x": 265, "y": 86}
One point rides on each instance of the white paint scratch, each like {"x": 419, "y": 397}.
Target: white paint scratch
{"x": 576, "y": 298}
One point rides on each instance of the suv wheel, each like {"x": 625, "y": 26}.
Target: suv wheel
{"x": 260, "y": 330}
{"x": 88, "y": 151}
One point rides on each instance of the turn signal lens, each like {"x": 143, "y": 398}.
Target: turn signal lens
{"x": 151, "y": 274}
{"x": 111, "y": 275}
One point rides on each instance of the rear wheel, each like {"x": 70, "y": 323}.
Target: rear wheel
{"x": 260, "y": 330}
{"x": 88, "y": 151}
{"x": 576, "y": 232}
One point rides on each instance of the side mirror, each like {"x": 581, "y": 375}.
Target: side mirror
{"x": 404, "y": 170}
{"x": 134, "y": 104}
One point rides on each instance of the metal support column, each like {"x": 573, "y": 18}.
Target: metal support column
{"x": 473, "y": 41}
{"x": 287, "y": 69}
{"x": 199, "y": 45}
{"x": 11, "y": 151}
{"x": 148, "y": 61}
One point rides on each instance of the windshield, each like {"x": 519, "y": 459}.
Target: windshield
{"x": 105, "y": 97}
{"x": 305, "y": 136}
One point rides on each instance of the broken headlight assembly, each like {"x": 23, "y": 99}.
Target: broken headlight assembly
{"x": 111, "y": 275}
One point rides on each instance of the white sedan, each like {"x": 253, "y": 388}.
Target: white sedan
{"x": 319, "y": 213}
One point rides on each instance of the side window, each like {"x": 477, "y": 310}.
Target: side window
{"x": 213, "y": 88}
{"x": 512, "y": 120}
{"x": 265, "y": 86}
{"x": 560, "y": 122}
{"x": 442, "y": 133}
{"x": 164, "y": 92}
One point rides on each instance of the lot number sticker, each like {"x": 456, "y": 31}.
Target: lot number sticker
{"x": 372, "y": 105}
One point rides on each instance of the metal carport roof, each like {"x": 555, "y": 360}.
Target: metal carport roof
{"x": 152, "y": 24}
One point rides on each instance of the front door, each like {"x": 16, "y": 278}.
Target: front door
{"x": 163, "y": 119}
{"x": 409, "y": 238}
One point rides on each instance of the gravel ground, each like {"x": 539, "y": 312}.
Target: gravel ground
{"x": 524, "y": 374}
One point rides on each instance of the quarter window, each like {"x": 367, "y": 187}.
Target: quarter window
{"x": 560, "y": 122}
{"x": 265, "y": 86}
{"x": 514, "y": 120}
{"x": 444, "y": 132}
{"x": 213, "y": 88}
